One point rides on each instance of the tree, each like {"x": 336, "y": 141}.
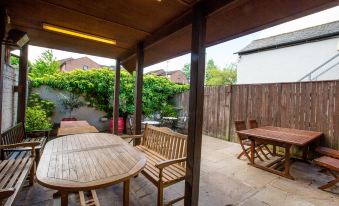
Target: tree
{"x": 186, "y": 70}
{"x": 215, "y": 76}
{"x": 210, "y": 68}
{"x": 14, "y": 61}
{"x": 45, "y": 65}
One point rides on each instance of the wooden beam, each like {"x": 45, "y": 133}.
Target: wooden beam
{"x": 22, "y": 87}
{"x": 179, "y": 23}
{"x": 116, "y": 98}
{"x": 196, "y": 103}
{"x": 138, "y": 90}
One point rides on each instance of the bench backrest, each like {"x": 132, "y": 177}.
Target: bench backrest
{"x": 13, "y": 135}
{"x": 164, "y": 141}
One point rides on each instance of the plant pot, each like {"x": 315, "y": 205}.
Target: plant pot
{"x": 121, "y": 125}
{"x": 69, "y": 119}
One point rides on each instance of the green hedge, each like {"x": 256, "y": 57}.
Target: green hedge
{"x": 96, "y": 85}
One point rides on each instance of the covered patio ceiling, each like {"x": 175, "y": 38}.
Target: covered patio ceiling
{"x": 164, "y": 26}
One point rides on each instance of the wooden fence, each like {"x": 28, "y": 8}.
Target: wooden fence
{"x": 302, "y": 105}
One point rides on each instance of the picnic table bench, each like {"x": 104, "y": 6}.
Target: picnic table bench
{"x": 165, "y": 151}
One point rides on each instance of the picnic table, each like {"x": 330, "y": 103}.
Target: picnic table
{"x": 85, "y": 162}
{"x": 282, "y": 137}
{"x": 75, "y": 127}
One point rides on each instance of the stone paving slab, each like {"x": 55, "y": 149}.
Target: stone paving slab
{"x": 225, "y": 180}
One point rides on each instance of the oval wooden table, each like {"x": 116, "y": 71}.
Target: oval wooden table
{"x": 85, "y": 162}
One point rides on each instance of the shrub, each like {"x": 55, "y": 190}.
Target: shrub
{"x": 36, "y": 119}
{"x": 46, "y": 105}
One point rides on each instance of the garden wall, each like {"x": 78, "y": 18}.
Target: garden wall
{"x": 301, "y": 105}
{"x": 89, "y": 114}
{"x": 10, "y": 98}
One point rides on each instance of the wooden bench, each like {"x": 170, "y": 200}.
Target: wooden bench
{"x": 15, "y": 170}
{"x": 330, "y": 161}
{"x": 17, "y": 134}
{"x": 166, "y": 158}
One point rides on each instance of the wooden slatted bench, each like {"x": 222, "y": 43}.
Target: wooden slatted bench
{"x": 330, "y": 161}
{"x": 17, "y": 134}
{"x": 14, "y": 171}
{"x": 165, "y": 151}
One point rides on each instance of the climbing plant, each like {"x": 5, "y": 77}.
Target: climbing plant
{"x": 96, "y": 86}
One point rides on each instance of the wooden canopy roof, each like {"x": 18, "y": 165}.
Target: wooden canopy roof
{"x": 163, "y": 25}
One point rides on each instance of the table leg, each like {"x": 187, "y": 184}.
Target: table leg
{"x": 305, "y": 152}
{"x": 64, "y": 198}
{"x": 126, "y": 192}
{"x": 252, "y": 151}
{"x": 287, "y": 162}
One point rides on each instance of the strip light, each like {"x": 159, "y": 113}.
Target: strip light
{"x": 71, "y": 32}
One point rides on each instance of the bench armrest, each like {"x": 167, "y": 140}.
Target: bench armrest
{"x": 5, "y": 193}
{"x": 22, "y": 144}
{"x": 133, "y": 137}
{"x": 161, "y": 165}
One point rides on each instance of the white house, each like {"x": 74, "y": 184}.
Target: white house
{"x": 291, "y": 56}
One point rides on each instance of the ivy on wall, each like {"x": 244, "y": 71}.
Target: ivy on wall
{"x": 96, "y": 86}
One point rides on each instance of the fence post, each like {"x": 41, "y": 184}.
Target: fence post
{"x": 230, "y": 91}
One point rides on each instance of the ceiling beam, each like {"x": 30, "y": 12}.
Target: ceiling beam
{"x": 92, "y": 16}
{"x": 210, "y": 6}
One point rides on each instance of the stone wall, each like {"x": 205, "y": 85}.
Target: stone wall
{"x": 89, "y": 114}
{"x": 10, "y": 98}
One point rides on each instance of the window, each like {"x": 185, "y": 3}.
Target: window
{"x": 85, "y": 67}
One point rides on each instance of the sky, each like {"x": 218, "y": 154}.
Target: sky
{"x": 222, "y": 54}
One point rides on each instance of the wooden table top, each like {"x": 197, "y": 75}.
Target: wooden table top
{"x": 82, "y": 123}
{"x": 283, "y": 135}
{"x": 88, "y": 161}
{"x": 76, "y": 130}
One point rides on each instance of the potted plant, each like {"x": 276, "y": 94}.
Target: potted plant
{"x": 70, "y": 103}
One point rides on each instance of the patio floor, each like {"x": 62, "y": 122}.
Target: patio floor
{"x": 225, "y": 180}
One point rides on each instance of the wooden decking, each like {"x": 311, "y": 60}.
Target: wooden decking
{"x": 233, "y": 183}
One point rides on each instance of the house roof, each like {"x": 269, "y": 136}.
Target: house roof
{"x": 315, "y": 33}
{"x": 164, "y": 27}
{"x": 162, "y": 72}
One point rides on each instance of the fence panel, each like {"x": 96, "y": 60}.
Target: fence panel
{"x": 299, "y": 105}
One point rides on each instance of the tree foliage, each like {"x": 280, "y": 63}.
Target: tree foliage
{"x": 214, "y": 75}
{"x": 96, "y": 86}
{"x": 45, "y": 65}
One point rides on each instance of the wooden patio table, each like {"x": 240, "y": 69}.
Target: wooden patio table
{"x": 85, "y": 162}
{"x": 282, "y": 137}
{"x": 75, "y": 127}
{"x": 80, "y": 123}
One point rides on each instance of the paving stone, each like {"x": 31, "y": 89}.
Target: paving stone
{"x": 225, "y": 180}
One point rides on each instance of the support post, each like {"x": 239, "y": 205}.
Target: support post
{"x": 138, "y": 91}
{"x": 116, "y": 98}
{"x": 3, "y": 23}
{"x": 22, "y": 87}
{"x": 196, "y": 102}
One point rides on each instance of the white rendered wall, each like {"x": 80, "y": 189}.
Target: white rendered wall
{"x": 287, "y": 64}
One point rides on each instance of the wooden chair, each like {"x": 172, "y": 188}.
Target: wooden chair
{"x": 166, "y": 158}
{"x": 252, "y": 123}
{"x": 330, "y": 162}
{"x": 18, "y": 134}
{"x": 244, "y": 142}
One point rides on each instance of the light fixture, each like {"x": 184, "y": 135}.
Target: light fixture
{"x": 83, "y": 35}
{"x": 17, "y": 37}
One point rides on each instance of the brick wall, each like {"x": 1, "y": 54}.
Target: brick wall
{"x": 79, "y": 64}
{"x": 178, "y": 77}
{"x": 10, "y": 99}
